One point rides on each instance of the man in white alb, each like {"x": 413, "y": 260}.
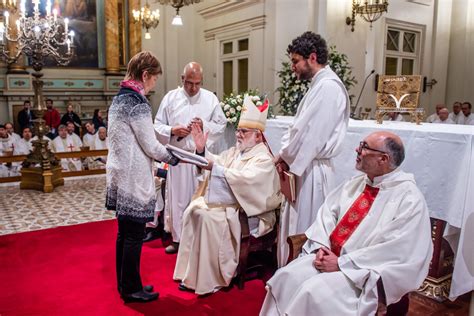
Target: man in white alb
{"x": 89, "y": 136}
{"x": 24, "y": 145}
{"x": 433, "y": 117}
{"x": 10, "y": 130}
{"x": 243, "y": 176}
{"x": 456, "y": 115}
{"x": 100, "y": 142}
{"x": 375, "y": 226}
{"x": 468, "y": 118}
{"x": 65, "y": 143}
{"x": 314, "y": 138}
{"x": 178, "y": 109}
{"x": 443, "y": 117}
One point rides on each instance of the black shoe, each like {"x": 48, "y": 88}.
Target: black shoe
{"x": 140, "y": 296}
{"x": 151, "y": 235}
{"x": 173, "y": 248}
{"x": 183, "y": 287}
{"x": 148, "y": 288}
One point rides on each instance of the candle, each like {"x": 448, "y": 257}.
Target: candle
{"x": 71, "y": 34}
{"x": 68, "y": 46}
{"x": 7, "y": 15}
{"x": 22, "y": 8}
{"x": 66, "y": 25}
{"x": 18, "y": 26}
{"x": 48, "y": 8}
{"x": 55, "y": 14}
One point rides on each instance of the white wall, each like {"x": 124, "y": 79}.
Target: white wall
{"x": 461, "y": 52}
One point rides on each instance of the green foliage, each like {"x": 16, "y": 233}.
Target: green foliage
{"x": 292, "y": 90}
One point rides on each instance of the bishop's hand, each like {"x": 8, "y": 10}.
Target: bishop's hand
{"x": 199, "y": 137}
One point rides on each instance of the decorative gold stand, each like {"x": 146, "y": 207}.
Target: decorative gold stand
{"x": 41, "y": 170}
{"x": 36, "y": 178}
{"x": 436, "y": 289}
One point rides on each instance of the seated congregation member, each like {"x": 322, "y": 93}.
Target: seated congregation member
{"x": 64, "y": 143}
{"x": 6, "y": 149}
{"x": 26, "y": 116}
{"x": 10, "y": 130}
{"x": 456, "y": 115}
{"x": 374, "y": 226}
{"x": 468, "y": 118}
{"x": 243, "y": 176}
{"x": 89, "y": 136}
{"x": 434, "y": 116}
{"x": 70, "y": 127}
{"x": 24, "y": 145}
{"x": 395, "y": 116}
{"x": 443, "y": 117}
{"x": 100, "y": 142}
{"x": 71, "y": 116}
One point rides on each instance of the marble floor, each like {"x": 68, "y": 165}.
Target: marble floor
{"x": 80, "y": 200}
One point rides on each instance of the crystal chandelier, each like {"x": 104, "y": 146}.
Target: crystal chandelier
{"x": 37, "y": 37}
{"x": 149, "y": 19}
{"x": 9, "y": 5}
{"x": 178, "y": 4}
{"x": 369, "y": 10}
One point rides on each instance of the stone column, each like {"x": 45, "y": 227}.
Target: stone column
{"x": 112, "y": 61}
{"x": 135, "y": 29}
{"x": 18, "y": 67}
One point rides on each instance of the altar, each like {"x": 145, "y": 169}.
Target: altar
{"x": 442, "y": 159}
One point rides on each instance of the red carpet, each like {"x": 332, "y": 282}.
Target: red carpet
{"x": 71, "y": 271}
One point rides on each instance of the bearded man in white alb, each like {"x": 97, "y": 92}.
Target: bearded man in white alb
{"x": 65, "y": 143}
{"x": 375, "y": 226}
{"x": 24, "y": 145}
{"x": 179, "y": 108}
{"x": 70, "y": 131}
{"x": 242, "y": 177}
{"x": 314, "y": 138}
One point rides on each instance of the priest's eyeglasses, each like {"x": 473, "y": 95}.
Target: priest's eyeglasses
{"x": 364, "y": 145}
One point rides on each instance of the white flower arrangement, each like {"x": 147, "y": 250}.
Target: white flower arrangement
{"x": 232, "y": 105}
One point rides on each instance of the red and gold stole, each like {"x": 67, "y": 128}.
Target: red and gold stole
{"x": 353, "y": 217}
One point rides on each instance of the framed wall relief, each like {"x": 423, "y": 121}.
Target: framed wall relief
{"x": 399, "y": 94}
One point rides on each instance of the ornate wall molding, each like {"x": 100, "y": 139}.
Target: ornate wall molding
{"x": 224, "y": 8}
{"x": 249, "y": 24}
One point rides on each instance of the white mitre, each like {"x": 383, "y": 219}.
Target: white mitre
{"x": 253, "y": 116}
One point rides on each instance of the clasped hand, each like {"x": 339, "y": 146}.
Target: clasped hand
{"x": 183, "y": 131}
{"x": 326, "y": 260}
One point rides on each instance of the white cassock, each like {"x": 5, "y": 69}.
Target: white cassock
{"x": 77, "y": 140}
{"x": 64, "y": 145}
{"x": 392, "y": 242}
{"x": 98, "y": 144}
{"x": 468, "y": 120}
{"x": 15, "y": 137}
{"x": 398, "y": 118}
{"x": 6, "y": 145}
{"x": 312, "y": 141}
{"x": 457, "y": 118}
{"x": 177, "y": 108}
{"x": 433, "y": 117}
{"x": 88, "y": 139}
{"x": 446, "y": 121}
{"x": 209, "y": 250}
{"x": 23, "y": 147}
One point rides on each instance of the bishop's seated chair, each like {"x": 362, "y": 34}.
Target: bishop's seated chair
{"x": 249, "y": 244}
{"x": 400, "y": 308}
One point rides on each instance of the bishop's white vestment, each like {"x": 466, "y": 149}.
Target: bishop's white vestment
{"x": 177, "y": 108}
{"x": 66, "y": 145}
{"x": 312, "y": 141}
{"x": 209, "y": 250}
{"x": 392, "y": 242}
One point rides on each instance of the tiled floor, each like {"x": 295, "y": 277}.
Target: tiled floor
{"x": 78, "y": 201}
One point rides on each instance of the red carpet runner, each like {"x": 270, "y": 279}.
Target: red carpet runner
{"x": 71, "y": 271}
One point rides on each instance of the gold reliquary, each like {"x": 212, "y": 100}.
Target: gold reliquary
{"x": 400, "y": 94}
